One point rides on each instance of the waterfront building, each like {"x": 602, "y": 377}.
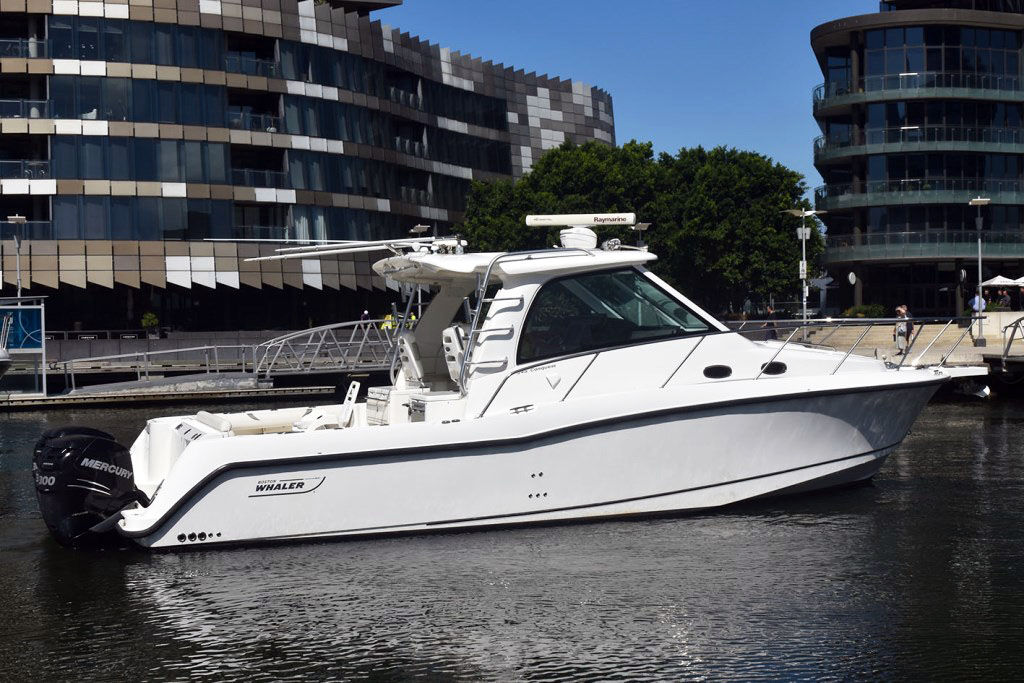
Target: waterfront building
{"x": 921, "y": 110}
{"x": 131, "y": 132}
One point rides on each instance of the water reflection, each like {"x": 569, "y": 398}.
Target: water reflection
{"x": 916, "y": 575}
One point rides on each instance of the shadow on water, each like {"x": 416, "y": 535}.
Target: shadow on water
{"x": 916, "y": 574}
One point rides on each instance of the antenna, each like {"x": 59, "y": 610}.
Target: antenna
{"x": 580, "y": 220}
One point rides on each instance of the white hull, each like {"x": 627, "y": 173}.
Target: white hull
{"x": 662, "y": 460}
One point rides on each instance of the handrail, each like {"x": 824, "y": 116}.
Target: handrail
{"x": 481, "y": 295}
{"x": 1007, "y": 343}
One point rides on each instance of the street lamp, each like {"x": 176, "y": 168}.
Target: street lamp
{"x": 19, "y": 221}
{"x": 979, "y": 202}
{"x": 803, "y": 233}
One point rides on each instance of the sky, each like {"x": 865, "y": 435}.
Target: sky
{"x": 681, "y": 73}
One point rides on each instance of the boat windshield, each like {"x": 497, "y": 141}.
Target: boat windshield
{"x": 601, "y": 310}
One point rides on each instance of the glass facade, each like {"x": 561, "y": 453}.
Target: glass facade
{"x": 916, "y": 119}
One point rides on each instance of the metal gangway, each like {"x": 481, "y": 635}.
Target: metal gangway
{"x": 362, "y": 345}
{"x": 356, "y": 346}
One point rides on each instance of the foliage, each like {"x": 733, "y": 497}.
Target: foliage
{"x": 149, "y": 320}
{"x": 716, "y": 215}
{"x": 865, "y": 311}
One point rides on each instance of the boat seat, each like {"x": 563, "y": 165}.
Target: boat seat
{"x": 409, "y": 354}
{"x": 330, "y": 417}
{"x": 453, "y": 340}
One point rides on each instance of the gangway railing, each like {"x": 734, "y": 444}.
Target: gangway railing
{"x": 1016, "y": 329}
{"x": 145, "y": 364}
{"x": 343, "y": 347}
{"x": 762, "y": 327}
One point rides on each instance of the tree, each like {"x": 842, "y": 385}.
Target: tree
{"x": 717, "y": 221}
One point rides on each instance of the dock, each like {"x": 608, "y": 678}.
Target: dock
{"x": 19, "y": 402}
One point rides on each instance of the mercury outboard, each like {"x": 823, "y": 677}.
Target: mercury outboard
{"x": 83, "y": 479}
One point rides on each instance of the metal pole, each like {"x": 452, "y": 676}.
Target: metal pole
{"x": 17, "y": 259}
{"x": 803, "y": 280}
{"x": 977, "y": 224}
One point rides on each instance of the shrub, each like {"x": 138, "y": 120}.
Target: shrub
{"x": 149, "y": 320}
{"x": 865, "y": 311}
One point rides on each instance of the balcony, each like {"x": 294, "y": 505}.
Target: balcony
{"x": 916, "y": 191}
{"x": 923, "y": 245}
{"x": 249, "y": 177}
{"x": 904, "y": 138}
{"x": 241, "y": 63}
{"x": 873, "y": 88}
{"x": 30, "y": 170}
{"x": 24, "y": 109}
{"x": 23, "y": 48}
{"x": 245, "y": 120}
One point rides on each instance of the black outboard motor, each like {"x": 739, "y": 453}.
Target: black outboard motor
{"x": 83, "y": 478}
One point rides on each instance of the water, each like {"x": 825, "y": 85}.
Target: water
{"x": 918, "y": 575}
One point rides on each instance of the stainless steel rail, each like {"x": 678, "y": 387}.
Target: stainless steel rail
{"x": 763, "y": 326}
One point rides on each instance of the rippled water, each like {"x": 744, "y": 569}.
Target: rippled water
{"x": 918, "y": 575}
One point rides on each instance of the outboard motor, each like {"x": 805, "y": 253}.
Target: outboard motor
{"x": 83, "y": 478}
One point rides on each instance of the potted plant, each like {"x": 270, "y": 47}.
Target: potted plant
{"x": 150, "y": 323}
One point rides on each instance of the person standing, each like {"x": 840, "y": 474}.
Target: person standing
{"x": 769, "y": 324}
{"x": 1004, "y": 299}
{"x": 899, "y": 332}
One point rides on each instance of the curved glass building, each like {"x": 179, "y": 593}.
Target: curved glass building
{"x": 921, "y": 110}
{"x": 131, "y": 131}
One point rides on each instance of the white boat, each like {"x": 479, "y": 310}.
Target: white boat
{"x": 564, "y": 384}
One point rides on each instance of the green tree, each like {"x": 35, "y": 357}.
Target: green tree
{"x": 717, "y": 217}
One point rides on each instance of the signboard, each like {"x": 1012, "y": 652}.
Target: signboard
{"x": 26, "y": 331}
{"x": 803, "y": 270}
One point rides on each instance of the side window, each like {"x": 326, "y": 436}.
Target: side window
{"x": 601, "y": 310}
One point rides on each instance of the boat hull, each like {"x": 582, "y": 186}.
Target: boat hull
{"x": 664, "y": 462}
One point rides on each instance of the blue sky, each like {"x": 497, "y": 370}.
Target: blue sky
{"x": 681, "y": 73}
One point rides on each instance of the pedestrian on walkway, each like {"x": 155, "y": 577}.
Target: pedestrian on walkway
{"x": 899, "y": 332}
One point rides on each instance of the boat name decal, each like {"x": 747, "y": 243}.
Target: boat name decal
{"x": 285, "y": 487}
{"x": 111, "y": 468}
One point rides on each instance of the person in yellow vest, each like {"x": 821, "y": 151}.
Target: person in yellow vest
{"x": 389, "y": 322}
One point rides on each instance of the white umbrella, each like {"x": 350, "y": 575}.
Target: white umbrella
{"x": 1000, "y": 281}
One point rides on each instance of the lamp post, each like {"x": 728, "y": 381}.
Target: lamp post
{"x": 979, "y": 202}
{"x": 803, "y": 233}
{"x": 19, "y": 221}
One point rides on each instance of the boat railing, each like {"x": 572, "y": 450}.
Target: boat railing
{"x": 482, "y": 283}
{"x": 833, "y": 325}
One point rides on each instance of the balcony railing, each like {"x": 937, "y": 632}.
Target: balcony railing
{"x": 23, "y": 47}
{"x": 915, "y": 80}
{"x": 405, "y": 97}
{"x": 254, "y": 232}
{"x": 412, "y": 147}
{"x": 32, "y": 170}
{"x": 917, "y": 186}
{"x": 919, "y": 134}
{"x": 251, "y": 177}
{"x": 29, "y": 230}
{"x": 251, "y": 66}
{"x": 244, "y": 120}
{"x": 416, "y": 196}
{"x": 923, "y": 244}
{"x": 24, "y": 109}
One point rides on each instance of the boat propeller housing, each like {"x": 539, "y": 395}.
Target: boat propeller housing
{"x": 83, "y": 478}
